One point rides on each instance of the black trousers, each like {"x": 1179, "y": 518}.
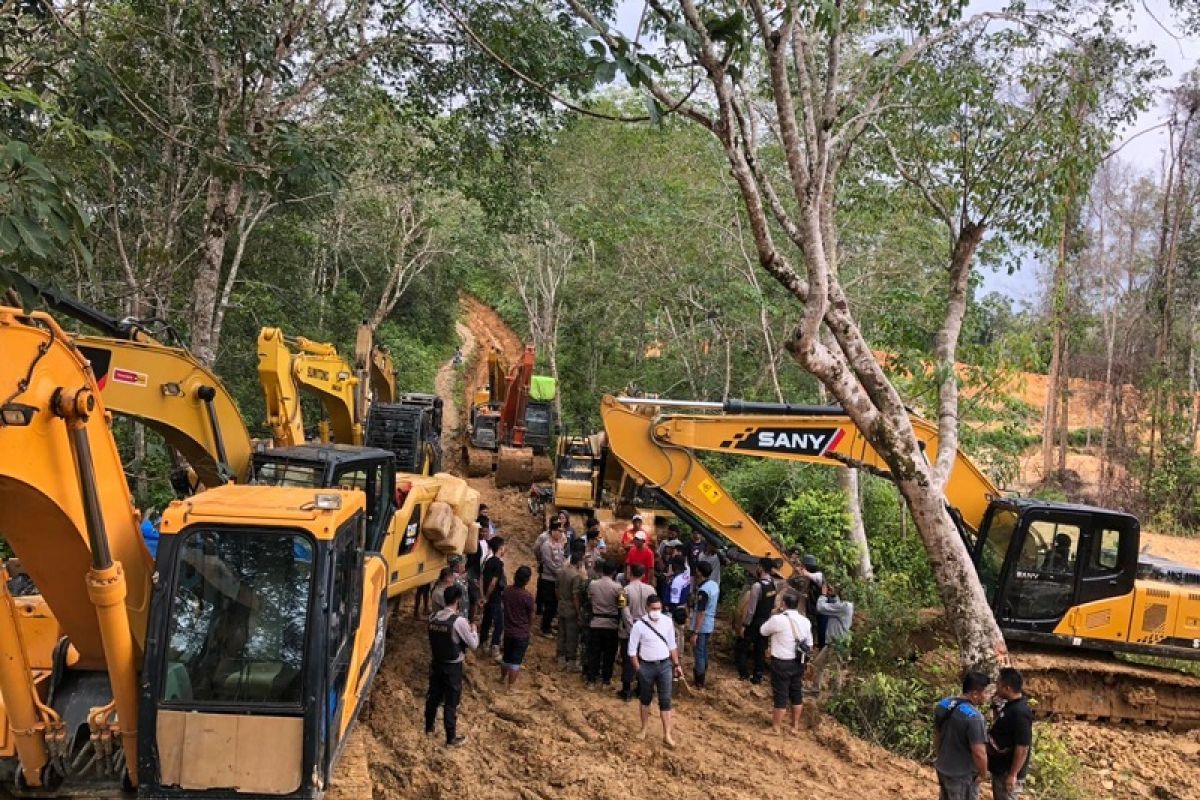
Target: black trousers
{"x": 628, "y": 673}
{"x": 445, "y": 689}
{"x": 547, "y": 593}
{"x": 750, "y": 653}
{"x": 602, "y": 651}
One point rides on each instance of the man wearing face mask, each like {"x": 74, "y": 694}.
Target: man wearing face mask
{"x": 655, "y": 657}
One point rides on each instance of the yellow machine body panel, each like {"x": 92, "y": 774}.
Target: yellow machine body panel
{"x": 266, "y": 506}
{"x": 1152, "y": 613}
{"x": 41, "y": 506}
{"x": 165, "y": 388}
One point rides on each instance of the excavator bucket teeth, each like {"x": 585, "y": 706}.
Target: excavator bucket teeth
{"x": 478, "y": 462}
{"x": 514, "y": 467}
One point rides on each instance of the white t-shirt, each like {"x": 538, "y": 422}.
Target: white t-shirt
{"x": 782, "y": 628}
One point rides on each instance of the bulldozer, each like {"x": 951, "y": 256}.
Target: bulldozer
{"x": 234, "y": 665}
{"x": 1067, "y": 583}
{"x": 510, "y": 425}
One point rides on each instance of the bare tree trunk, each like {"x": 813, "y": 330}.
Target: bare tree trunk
{"x": 1064, "y": 386}
{"x": 220, "y": 206}
{"x": 848, "y": 480}
{"x": 1058, "y": 299}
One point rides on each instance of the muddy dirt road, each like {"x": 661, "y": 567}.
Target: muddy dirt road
{"x": 554, "y": 738}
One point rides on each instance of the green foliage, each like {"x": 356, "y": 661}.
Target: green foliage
{"x": 817, "y": 520}
{"x": 1053, "y": 775}
{"x": 892, "y": 710}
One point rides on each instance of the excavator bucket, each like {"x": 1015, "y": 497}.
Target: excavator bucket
{"x": 515, "y": 466}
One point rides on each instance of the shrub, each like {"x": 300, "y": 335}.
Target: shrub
{"x": 1052, "y": 775}
{"x": 894, "y": 711}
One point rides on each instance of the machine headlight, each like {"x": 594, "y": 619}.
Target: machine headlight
{"x": 17, "y": 415}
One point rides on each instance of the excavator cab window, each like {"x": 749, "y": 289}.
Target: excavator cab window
{"x": 997, "y": 538}
{"x": 239, "y": 618}
{"x": 287, "y": 473}
{"x": 376, "y": 483}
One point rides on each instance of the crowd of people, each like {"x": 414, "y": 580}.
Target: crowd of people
{"x": 637, "y": 607}
{"x": 623, "y": 616}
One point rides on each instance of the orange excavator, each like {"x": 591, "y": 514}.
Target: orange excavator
{"x": 511, "y": 423}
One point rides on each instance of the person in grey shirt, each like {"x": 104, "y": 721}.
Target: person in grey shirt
{"x": 551, "y": 555}
{"x": 713, "y": 556}
{"x": 838, "y": 612}
{"x": 960, "y": 740}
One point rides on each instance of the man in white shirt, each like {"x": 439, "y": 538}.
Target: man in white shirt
{"x": 790, "y": 632}
{"x": 655, "y": 657}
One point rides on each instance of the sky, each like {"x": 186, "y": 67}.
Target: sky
{"x": 1141, "y": 144}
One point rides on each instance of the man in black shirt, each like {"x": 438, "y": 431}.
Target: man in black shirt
{"x": 492, "y": 583}
{"x": 1010, "y": 739}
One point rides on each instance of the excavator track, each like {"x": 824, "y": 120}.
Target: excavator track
{"x": 1073, "y": 686}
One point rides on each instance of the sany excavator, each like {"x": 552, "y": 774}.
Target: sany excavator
{"x": 511, "y": 423}
{"x": 361, "y": 404}
{"x": 234, "y": 666}
{"x": 1057, "y": 575}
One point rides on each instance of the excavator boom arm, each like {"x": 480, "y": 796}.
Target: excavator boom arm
{"x": 44, "y": 514}
{"x": 178, "y": 397}
{"x": 279, "y": 388}
{"x": 661, "y": 452}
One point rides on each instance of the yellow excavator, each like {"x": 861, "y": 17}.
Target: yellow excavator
{"x": 232, "y": 666}
{"x": 362, "y": 404}
{"x": 163, "y": 387}
{"x": 1058, "y": 575}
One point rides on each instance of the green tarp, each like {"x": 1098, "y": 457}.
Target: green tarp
{"x": 541, "y": 387}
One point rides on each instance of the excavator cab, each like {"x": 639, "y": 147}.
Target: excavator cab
{"x": 261, "y": 644}
{"x": 1038, "y": 561}
{"x": 370, "y": 469}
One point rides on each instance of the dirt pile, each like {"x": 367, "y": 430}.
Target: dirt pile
{"x": 1131, "y": 763}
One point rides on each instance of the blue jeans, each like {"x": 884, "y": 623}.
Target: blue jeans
{"x": 493, "y": 621}
{"x": 700, "y": 667}
{"x": 656, "y": 675}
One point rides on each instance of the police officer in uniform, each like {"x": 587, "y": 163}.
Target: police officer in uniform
{"x": 450, "y": 634}
{"x": 759, "y": 609}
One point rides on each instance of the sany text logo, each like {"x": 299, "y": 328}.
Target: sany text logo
{"x": 815, "y": 442}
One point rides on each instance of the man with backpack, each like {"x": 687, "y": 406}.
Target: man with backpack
{"x": 790, "y": 635}
{"x": 450, "y": 636}
{"x": 960, "y": 740}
